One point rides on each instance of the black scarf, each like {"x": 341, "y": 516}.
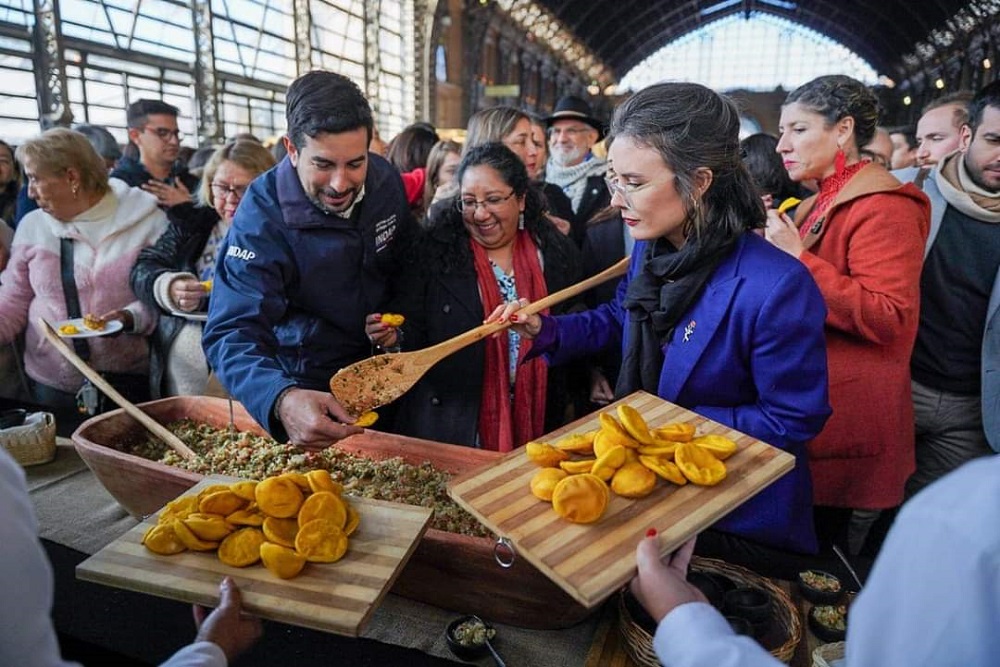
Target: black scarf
{"x": 669, "y": 282}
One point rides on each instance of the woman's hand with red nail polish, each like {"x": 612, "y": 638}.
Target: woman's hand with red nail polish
{"x": 661, "y": 584}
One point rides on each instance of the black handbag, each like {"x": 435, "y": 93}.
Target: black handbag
{"x": 89, "y": 400}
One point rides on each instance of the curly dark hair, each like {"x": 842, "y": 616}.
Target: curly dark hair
{"x": 836, "y": 97}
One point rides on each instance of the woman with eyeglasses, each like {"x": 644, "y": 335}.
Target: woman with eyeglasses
{"x": 491, "y": 247}
{"x": 513, "y": 128}
{"x": 710, "y": 316}
{"x": 175, "y": 275}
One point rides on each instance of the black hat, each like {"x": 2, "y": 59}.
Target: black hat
{"x": 574, "y": 108}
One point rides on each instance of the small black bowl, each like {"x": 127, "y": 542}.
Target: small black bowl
{"x": 825, "y": 632}
{"x": 467, "y": 652}
{"x": 724, "y": 583}
{"x": 12, "y": 418}
{"x": 740, "y": 625}
{"x": 752, "y": 604}
{"x": 818, "y": 595}
{"x": 708, "y": 586}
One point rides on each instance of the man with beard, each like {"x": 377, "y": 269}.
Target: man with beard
{"x": 956, "y": 359}
{"x": 315, "y": 247}
{"x": 153, "y": 134}
{"x": 573, "y": 131}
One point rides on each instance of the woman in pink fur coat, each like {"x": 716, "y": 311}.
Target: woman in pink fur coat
{"x": 98, "y": 226}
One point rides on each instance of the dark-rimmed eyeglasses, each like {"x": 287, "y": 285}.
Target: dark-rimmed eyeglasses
{"x": 164, "y": 134}
{"x": 223, "y": 190}
{"x": 493, "y": 203}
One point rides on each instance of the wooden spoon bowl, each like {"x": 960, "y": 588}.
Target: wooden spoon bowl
{"x": 381, "y": 379}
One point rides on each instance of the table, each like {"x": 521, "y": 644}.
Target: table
{"x": 145, "y": 630}
{"x": 77, "y": 517}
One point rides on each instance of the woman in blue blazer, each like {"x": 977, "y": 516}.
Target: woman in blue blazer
{"x": 709, "y": 316}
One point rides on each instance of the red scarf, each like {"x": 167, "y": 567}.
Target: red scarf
{"x": 502, "y": 428}
{"x": 829, "y": 188}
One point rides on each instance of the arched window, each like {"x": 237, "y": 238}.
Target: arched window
{"x": 761, "y": 52}
{"x": 118, "y": 51}
{"x": 441, "y": 63}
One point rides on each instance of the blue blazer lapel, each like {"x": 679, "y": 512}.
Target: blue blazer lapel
{"x": 694, "y": 333}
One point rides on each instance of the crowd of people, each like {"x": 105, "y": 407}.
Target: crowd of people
{"x": 857, "y": 331}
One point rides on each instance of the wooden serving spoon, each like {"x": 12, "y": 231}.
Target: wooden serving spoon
{"x": 158, "y": 429}
{"x": 378, "y": 380}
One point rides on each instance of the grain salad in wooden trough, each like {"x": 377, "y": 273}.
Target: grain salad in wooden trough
{"x": 453, "y": 564}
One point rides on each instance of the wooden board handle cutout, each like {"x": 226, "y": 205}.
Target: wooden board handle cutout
{"x": 157, "y": 429}
{"x": 381, "y": 379}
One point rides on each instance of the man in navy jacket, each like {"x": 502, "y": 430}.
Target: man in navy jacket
{"x": 315, "y": 246}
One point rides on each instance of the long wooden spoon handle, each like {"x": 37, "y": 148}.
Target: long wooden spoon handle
{"x": 444, "y": 348}
{"x": 158, "y": 429}
{"x": 614, "y": 271}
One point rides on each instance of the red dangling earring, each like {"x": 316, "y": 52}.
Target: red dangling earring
{"x": 839, "y": 161}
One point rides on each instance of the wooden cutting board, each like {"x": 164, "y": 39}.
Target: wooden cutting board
{"x": 334, "y": 597}
{"x": 590, "y": 562}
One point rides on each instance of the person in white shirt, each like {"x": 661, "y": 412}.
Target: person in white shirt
{"x": 932, "y": 599}
{"x": 27, "y": 636}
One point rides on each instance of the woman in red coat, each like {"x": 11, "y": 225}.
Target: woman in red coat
{"x": 862, "y": 238}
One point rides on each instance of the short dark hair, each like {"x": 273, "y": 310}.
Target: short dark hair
{"x": 909, "y": 133}
{"x": 988, "y": 96}
{"x": 139, "y": 111}
{"x": 836, "y": 97}
{"x": 766, "y": 167}
{"x": 103, "y": 141}
{"x": 325, "y": 102}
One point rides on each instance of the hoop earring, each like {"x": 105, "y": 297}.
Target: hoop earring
{"x": 839, "y": 161}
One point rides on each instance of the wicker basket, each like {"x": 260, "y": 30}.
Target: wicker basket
{"x": 824, "y": 656}
{"x": 32, "y": 443}
{"x": 787, "y": 626}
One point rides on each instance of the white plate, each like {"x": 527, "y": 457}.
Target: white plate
{"x": 110, "y": 327}
{"x": 194, "y": 317}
